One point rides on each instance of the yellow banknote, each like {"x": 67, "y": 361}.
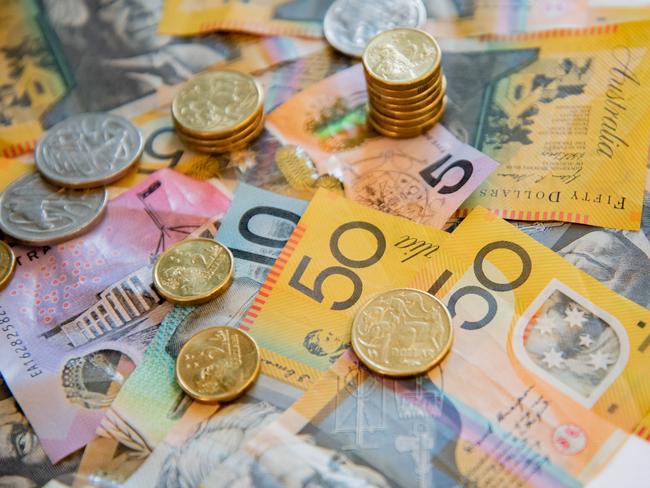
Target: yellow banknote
{"x": 268, "y": 17}
{"x": 339, "y": 254}
{"x": 524, "y": 314}
{"x": 643, "y": 429}
{"x": 10, "y": 169}
{"x": 567, "y": 115}
{"x": 455, "y": 425}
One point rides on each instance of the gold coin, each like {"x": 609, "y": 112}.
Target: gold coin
{"x": 242, "y": 132}
{"x": 402, "y": 332}
{"x": 223, "y": 148}
{"x": 409, "y": 103}
{"x": 391, "y": 122}
{"x": 401, "y": 57}
{"x": 193, "y": 271}
{"x": 421, "y": 88}
{"x": 217, "y": 103}
{"x": 218, "y": 364}
{"x": 400, "y": 132}
{"x": 7, "y": 264}
{"x": 412, "y": 113}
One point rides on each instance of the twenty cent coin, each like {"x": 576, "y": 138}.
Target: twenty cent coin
{"x": 35, "y": 212}
{"x": 402, "y": 332}
{"x": 350, "y": 24}
{"x": 7, "y": 264}
{"x": 193, "y": 271}
{"x": 89, "y": 150}
{"x": 218, "y": 364}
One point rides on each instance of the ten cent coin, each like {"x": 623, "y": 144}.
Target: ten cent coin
{"x": 402, "y": 332}
{"x": 7, "y": 264}
{"x": 218, "y": 364}
{"x": 89, "y": 150}
{"x": 193, "y": 271}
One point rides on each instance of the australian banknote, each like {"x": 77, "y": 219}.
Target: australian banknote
{"x": 62, "y": 58}
{"x": 424, "y": 179}
{"x": 78, "y": 315}
{"x": 275, "y": 17}
{"x": 543, "y": 323}
{"x": 561, "y": 112}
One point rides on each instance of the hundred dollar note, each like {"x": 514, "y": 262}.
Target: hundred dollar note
{"x": 59, "y": 58}
{"x": 542, "y": 322}
{"x": 564, "y": 115}
{"x": 453, "y": 426}
{"x": 78, "y": 315}
{"x": 275, "y": 17}
{"x": 424, "y": 179}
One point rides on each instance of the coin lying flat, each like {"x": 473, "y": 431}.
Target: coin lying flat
{"x": 217, "y": 103}
{"x": 350, "y": 24}
{"x": 35, "y": 212}
{"x": 89, "y": 150}
{"x": 218, "y": 364}
{"x": 193, "y": 271}
{"x": 402, "y": 332}
{"x": 7, "y": 264}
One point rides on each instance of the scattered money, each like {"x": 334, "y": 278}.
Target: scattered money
{"x": 193, "y": 271}
{"x": 350, "y": 24}
{"x": 7, "y": 264}
{"x": 88, "y": 150}
{"x": 35, "y": 212}
{"x": 406, "y": 88}
{"x": 301, "y": 173}
{"x": 218, "y": 364}
{"x": 219, "y": 111}
{"x": 402, "y": 332}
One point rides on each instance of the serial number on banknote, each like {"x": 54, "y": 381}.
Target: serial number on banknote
{"x": 18, "y": 345}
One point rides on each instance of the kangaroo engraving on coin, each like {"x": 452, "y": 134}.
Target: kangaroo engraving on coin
{"x": 89, "y": 150}
{"x": 35, "y": 212}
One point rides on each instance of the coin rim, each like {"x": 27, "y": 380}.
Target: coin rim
{"x": 408, "y": 134}
{"x": 218, "y": 149}
{"x": 78, "y": 183}
{"x": 225, "y": 132}
{"x": 403, "y": 84}
{"x": 327, "y": 28}
{"x": 407, "y": 116}
{"x": 87, "y": 226}
{"x": 225, "y": 397}
{"x": 195, "y": 299}
{"x": 408, "y": 103}
{"x": 406, "y": 92}
{"x": 6, "y": 279}
{"x": 247, "y": 131}
{"x": 384, "y": 371}
{"x": 396, "y": 124}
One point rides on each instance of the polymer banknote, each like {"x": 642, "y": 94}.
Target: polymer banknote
{"x": 424, "y": 179}
{"x": 563, "y": 113}
{"x": 78, "y": 316}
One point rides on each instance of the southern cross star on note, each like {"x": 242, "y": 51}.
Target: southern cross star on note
{"x": 575, "y": 317}
{"x": 545, "y": 324}
{"x": 586, "y": 340}
{"x": 600, "y": 360}
{"x": 553, "y": 359}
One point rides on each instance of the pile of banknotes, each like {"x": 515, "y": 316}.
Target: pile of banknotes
{"x": 187, "y": 304}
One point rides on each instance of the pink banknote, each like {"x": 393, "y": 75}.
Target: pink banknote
{"x": 77, "y": 316}
{"x": 424, "y": 179}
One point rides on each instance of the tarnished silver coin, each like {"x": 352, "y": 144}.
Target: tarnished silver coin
{"x": 89, "y": 150}
{"x": 350, "y": 24}
{"x": 35, "y": 212}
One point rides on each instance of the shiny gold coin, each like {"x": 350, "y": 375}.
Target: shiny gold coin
{"x": 402, "y": 332}
{"x": 7, "y": 264}
{"x": 218, "y": 364}
{"x": 407, "y": 101}
{"x": 217, "y": 139}
{"x": 391, "y": 122}
{"x": 406, "y": 91}
{"x": 401, "y": 57}
{"x": 411, "y": 113}
{"x": 193, "y": 271}
{"x": 402, "y": 133}
{"x": 217, "y": 103}
{"x": 217, "y": 147}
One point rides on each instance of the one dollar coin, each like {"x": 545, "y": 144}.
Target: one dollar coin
{"x": 218, "y": 364}
{"x": 402, "y": 332}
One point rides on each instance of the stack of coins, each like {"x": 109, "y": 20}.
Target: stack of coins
{"x": 406, "y": 86}
{"x": 219, "y": 111}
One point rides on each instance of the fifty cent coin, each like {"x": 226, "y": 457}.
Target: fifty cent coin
{"x": 218, "y": 364}
{"x": 89, "y": 150}
{"x": 350, "y": 24}
{"x": 35, "y": 212}
{"x": 193, "y": 271}
{"x": 402, "y": 332}
{"x": 7, "y": 264}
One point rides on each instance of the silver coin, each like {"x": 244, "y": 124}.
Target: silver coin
{"x": 350, "y": 24}
{"x": 35, "y": 212}
{"x": 89, "y": 150}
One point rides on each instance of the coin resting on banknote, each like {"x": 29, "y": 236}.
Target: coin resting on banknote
{"x": 218, "y": 364}
{"x": 193, "y": 271}
{"x": 402, "y": 332}
{"x": 7, "y": 264}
